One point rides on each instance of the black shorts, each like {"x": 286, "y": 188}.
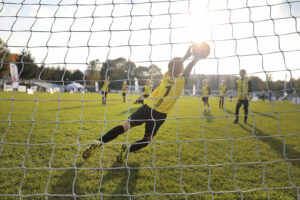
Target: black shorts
{"x": 104, "y": 94}
{"x": 124, "y": 94}
{"x": 205, "y": 99}
{"x": 242, "y": 102}
{"x": 152, "y": 118}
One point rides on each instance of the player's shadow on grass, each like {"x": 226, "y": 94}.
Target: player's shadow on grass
{"x": 276, "y": 144}
{"x": 264, "y": 115}
{"x": 208, "y": 116}
{"x": 121, "y": 176}
{"x": 75, "y": 107}
{"x": 255, "y": 112}
{"x": 62, "y": 184}
{"x": 229, "y": 112}
{"x": 83, "y": 106}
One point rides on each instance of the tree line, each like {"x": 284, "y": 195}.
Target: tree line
{"x": 117, "y": 69}
{"x": 121, "y": 69}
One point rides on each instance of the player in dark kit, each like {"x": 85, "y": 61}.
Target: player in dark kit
{"x": 244, "y": 89}
{"x": 154, "y": 112}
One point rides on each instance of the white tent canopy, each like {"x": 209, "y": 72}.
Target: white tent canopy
{"x": 50, "y": 87}
{"x": 74, "y": 87}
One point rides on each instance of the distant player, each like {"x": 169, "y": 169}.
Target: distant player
{"x": 263, "y": 97}
{"x": 154, "y": 112}
{"x": 223, "y": 90}
{"x": 205, "y": 93}
{"x": 270, "y": 97}
{"x": 244, "y": 89}
{"x": 124, "y": 89}
{"x": 147, "y": 90}
{"x": 105, "y": 90}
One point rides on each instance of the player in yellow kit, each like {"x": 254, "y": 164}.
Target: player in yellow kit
{"x": 124, "y": 89}
{"x": 154, "y": 111}
{"x": 147, "y": 90}
{"x": 244, "y": 90}
{"x": 105, "y": 89}
{"x": 205, "y": 95}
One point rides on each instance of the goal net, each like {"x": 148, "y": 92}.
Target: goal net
{"x": 56, "y": 54}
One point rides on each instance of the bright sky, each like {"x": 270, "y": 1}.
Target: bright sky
{"x": 257, "y": 35}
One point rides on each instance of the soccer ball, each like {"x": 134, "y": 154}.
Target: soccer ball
{"x": 200, "y": 50}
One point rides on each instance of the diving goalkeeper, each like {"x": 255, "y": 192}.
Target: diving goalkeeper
{"x": 154, "y": 112}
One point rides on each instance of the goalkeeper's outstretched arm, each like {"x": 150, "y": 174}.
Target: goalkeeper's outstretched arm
{"x": 188, "y": 69}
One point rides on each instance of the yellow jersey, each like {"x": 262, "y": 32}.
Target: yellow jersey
{"x": 165, "y": 95}
{"x": 205, "y": 90}
{"x": 124, "y": 88}
{"x": 242, "y": 88}
{"x": 105, "y": 86}
{"x": 223, "y": 89}
{"x": 147, "y": 89}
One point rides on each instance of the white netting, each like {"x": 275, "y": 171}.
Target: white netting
{"x": 195, "y": 155}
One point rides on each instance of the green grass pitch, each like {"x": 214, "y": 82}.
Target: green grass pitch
{"x": 195, "y": 155}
